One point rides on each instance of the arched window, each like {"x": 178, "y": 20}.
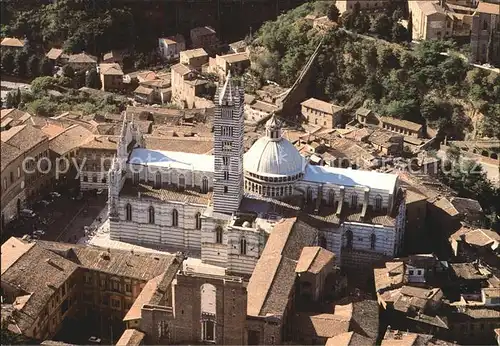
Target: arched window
{"x": 128, "y": 212}
{"x": 243, "y": 246}
{"x": 175, "y": 218}
{"x": 349, "y": 237}
{"x": 182, "y": 182}
{"x": 485, "y": 25}
{"x": 204, "y": 185}
{"x": 198, "y": 220}
{"x": 218, "y": 235}
{"x": 354, "y": 200}
{"x": 151, "y": 214}
{"x": 158, "y": 180}
{"x": 331, "y": 198}
{"x": 373, "y": 240}
{"x": 378, "y": 202}
{"x": 208, "y": 307}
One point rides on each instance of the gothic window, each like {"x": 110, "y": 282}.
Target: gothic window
{"x": 225, "y": 160}
{"x": 227, "y": 146}
{"x": 198, "y": 220}
{"x": 208, "y": 302}
{"x": 175, "y": 218}
{"x": 94, "y": 179}
{"x": 226, "y": 175}
{"x": 354, "y": 200}
{"x": 331, "y": 198}
{"x": 290, "y": 190}
{"x": 151, "y": 215}
{"x": 309, "y": 195}
{"x": 158, "y": 180}
{"x": 378, "y": 202}
{"x": 182, "y": 182}
{"x": 204, "y": 185}
{"x": 243, "y": 246}
{"x": 225, "y": 189}
{"x": 349, "y": 237}
{"x": 373, "y": 240}
{"x": 136, "y": 177}
{"x": 128, "y": 212}
{"x": 218, "y": 235}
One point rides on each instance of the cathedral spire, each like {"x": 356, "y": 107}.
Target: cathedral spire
{"x": 227, "y": 92}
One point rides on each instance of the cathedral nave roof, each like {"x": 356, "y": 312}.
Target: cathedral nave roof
{"x": 172, "y": 159}
{"x": 165, "y": 194}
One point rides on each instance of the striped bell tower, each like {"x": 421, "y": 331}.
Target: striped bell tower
{"x": 228, "y": 146}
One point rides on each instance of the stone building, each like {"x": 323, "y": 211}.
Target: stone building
{"x": 186, "y": 86}
{"x": 194, "y": 58}
{"x": 486, "y": 29}
{"x": 237, "y": 63}
{"x": 171, "y": 47}
{"x": 404, "y": 127}
{"x": 364, "y": 5}
{"x": 321, "y": 113}
{"x": 111, "y": 75}
{"x": 204, "y": 37}
{"x": 25, "y": 168}
{"x": 82, "y": 61}
{"x": 257, "y": 110}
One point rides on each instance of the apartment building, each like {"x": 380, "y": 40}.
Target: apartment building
{"x": 111, "y": 75}
{"x": 322, "y": 113}
{"x": 194, "y": 58}
{"x": 25, "y": 168}
{"x": 186, "y": 87}
{"x": 204, "y": 37}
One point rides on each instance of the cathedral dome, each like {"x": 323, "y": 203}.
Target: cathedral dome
{"x": 273, "y": 155}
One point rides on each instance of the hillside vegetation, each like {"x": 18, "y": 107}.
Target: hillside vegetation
{"x": 417, "y": 84}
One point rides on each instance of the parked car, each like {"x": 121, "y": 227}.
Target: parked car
{"x": 27, "y": 213}
{"x": 94, "y": 340}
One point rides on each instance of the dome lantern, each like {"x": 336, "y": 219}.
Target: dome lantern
{"x": 273, "y": 128}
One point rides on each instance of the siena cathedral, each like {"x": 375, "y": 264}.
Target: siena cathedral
{"x": 222, "y": 207}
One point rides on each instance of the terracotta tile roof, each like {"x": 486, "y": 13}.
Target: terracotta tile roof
{"x": 39, "y": 273}
{"x": 194, "y": 53}
{"x": 195, "y": 145}
{"x": 24, "y": 137}
{"x": 12, "y": 250}
{"x": 163, "y": 83}
{"x": 236, "y": 57}
{"x": 181, "y": 69}
{"x": 165, "y": 194}
{"x": 102, "y": 142}
{"x": 313, "y": 259}
{"x": 73, "y": 137}
{"x": 401, "y": 123}
{"x": 112, "y": 69}
{"x": 485, "y": 7}
{"x": 8, "y": 154}
{"x": 274, "y": 275}
{"x": 202, "y": 31}
{"x": 82, "y": 58}
{"x": 137, "y": 265}
{"x": 322, "y": 106}
{"x": 467, "y": 271}
{"x": 52, "y": 130}
{"x": 389, "y": 277}
{"x": 131, "y": 337}
{"x": 325, "y": 325}
{"x": 12, "y": 42}
{"x": 349, "y": 339}
{"x": 264, "y": 106}
{"x": 143, "y": 90}
{"x": 54, "y": 53}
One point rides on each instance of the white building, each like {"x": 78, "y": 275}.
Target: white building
{"x": 171, "y": 47}
{"x": 224, "y": 206}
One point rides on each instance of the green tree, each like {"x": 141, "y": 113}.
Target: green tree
{"x": 68, "y": 71}
{"x": 33, "y": 66}
{"x": 399, "y": 33}
{"x": 333, "y": 13}
{"x": 397, "y": 15}
{"x": 46, "y": 68}
{"x": 10, "y": 100}
{"x": 41, "y": 84}
{"x": 21, "y": 60}
{"x": 381, "y": 24}
{"x": 92, "y": 79}
{"x": 8, "y": 62}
